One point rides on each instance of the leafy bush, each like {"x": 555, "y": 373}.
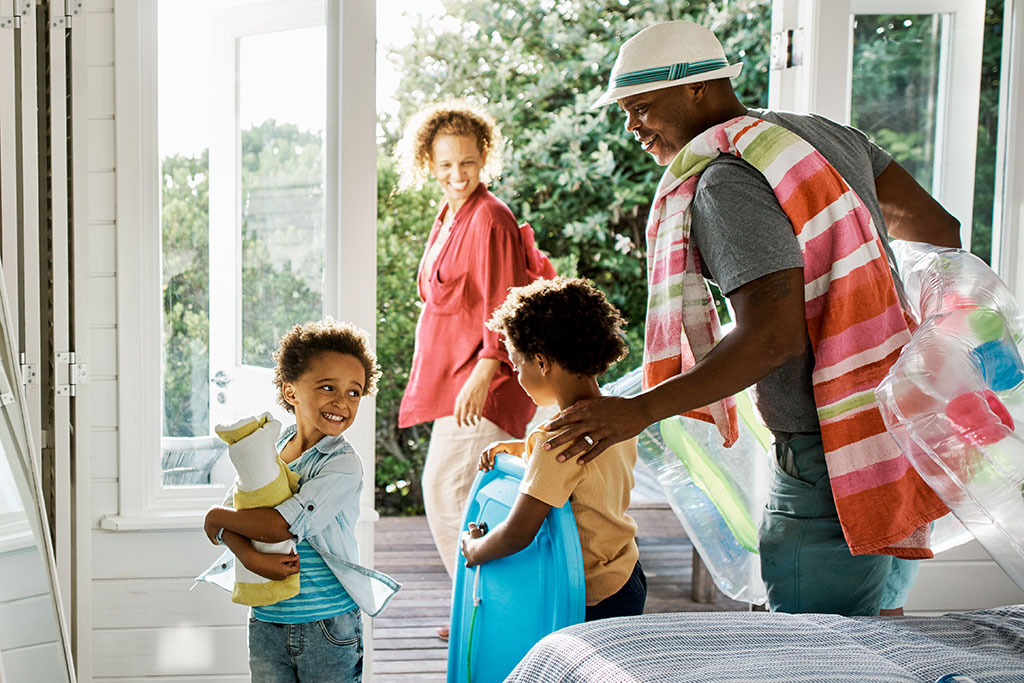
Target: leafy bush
{"x": 572, "y": 172}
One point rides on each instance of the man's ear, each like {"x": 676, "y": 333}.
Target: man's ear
{"x": 697, "y": 91}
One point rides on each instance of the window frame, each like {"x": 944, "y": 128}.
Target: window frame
{"x": 143, "y": 503}
{"x": 823, "y": 28}
{"x": 821, "y": 82}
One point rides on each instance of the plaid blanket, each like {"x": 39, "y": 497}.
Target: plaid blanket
{"x": 709, "y": 647}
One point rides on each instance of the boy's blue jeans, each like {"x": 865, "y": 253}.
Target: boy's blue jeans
{"x": 805, "y": 562}
{"x": 326, "y": 651}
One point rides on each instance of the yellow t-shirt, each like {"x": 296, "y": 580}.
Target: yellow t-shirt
{"x": 600, "y": 496}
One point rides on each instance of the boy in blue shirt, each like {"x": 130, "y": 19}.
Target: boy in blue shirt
{"x": 323, "y": 370}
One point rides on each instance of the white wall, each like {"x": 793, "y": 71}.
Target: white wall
{"x": 145, "y": 622}
{"x": 28, "y": 623}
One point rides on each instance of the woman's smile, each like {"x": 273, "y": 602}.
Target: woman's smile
{"x": 456, "y": 162}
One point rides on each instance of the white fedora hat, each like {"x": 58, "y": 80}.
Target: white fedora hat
{"x": 665, "y": 55}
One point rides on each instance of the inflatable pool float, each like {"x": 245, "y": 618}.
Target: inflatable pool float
{"x": 718, "y": 493}
{"x": 502, "y": 608}
{"x": 954, "y": 400}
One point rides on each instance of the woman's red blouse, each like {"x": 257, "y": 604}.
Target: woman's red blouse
{"x": 482, "y": 258}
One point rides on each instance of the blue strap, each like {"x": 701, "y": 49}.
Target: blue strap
{"x": 672, "y": 72}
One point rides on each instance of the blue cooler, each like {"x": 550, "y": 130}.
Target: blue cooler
{"x": 500, "y": 611}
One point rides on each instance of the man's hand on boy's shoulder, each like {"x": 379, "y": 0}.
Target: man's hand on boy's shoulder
{"x": 590, "y": 426}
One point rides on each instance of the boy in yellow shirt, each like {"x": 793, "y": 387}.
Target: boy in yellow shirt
{"x": 561, "y": 334}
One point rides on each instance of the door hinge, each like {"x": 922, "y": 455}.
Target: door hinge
{"x": 22, "y": 8}
{"x": 29, "y": 371}
{"x": 77, "y": 373}
{"x": 7, "y": 394}
{"x": 73, "y": 8}
{"x": 787, "y": 49}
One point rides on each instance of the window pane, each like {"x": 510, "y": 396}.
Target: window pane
{"x": 184, "y": 86}
{"x": 988, "y": 128}
{"x": 184, "y": 134}
{"x": 895, "y": 86}
{"x": 283, "y": 212}
{"x": 242, "y": 95}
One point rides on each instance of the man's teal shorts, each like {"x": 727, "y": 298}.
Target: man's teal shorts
{"x": 805, "y": 562}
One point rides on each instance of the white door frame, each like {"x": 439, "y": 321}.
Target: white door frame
{"x": 1007, "y": 242}
{"x": 350, "y": 286}
{"x": 821, "y": 83}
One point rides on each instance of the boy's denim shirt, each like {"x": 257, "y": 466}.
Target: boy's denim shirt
{"x": 324, "y": 511}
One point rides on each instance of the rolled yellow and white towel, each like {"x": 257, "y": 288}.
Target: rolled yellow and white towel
{"x": 264, "y": 480}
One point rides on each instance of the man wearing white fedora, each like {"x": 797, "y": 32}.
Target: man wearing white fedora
{"x": 789, "y": 215}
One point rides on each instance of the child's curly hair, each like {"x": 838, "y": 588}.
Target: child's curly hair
{"x": 301, "y": 344}
{"x": 451, "y": 117}
{"x": 568, "y": 320}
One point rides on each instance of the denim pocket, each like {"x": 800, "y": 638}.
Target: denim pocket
{"x": 343, "y": 630}
{"x": 780, "y": 451}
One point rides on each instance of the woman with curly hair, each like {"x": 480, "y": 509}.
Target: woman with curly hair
{"x": 561, "y": 335}
{"x": 461, "y": 377}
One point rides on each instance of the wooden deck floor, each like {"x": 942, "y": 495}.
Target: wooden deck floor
{"x": 405, "y": 646}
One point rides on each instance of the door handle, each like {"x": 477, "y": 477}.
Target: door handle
{"x": 221, "y": 379}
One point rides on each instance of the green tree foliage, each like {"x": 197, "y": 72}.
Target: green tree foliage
{"x": 898, "y": 110}
{"x": 572, "y": 172}
{"x": 185, "y": 213}
{"x": 401, "y": 237}
{"x": 282, "y": 260}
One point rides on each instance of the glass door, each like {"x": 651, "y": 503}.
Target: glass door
{"x": 267, "y": 208}
{"x": 242, "y": 92}
{"x": 906, "y": 72}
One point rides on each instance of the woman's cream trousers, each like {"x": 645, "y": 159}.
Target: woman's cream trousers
{"x": 448, "y": 475}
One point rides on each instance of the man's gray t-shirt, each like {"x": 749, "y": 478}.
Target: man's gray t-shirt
{"x": 742, "y": 234}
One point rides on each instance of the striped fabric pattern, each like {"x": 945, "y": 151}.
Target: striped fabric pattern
{"x": 321, "y": 595}
{"x": 672, "y": 72}
{"x": 854, "y": 320}
{"x": 725, "y": 647}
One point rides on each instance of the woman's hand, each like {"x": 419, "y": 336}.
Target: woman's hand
{"x": 469, "y": 404}
{"x": 594, "y": 424}
{"x": 515, "y": 448}
{"x": 271, "y": 566}
{"x": 469, "y": 543}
